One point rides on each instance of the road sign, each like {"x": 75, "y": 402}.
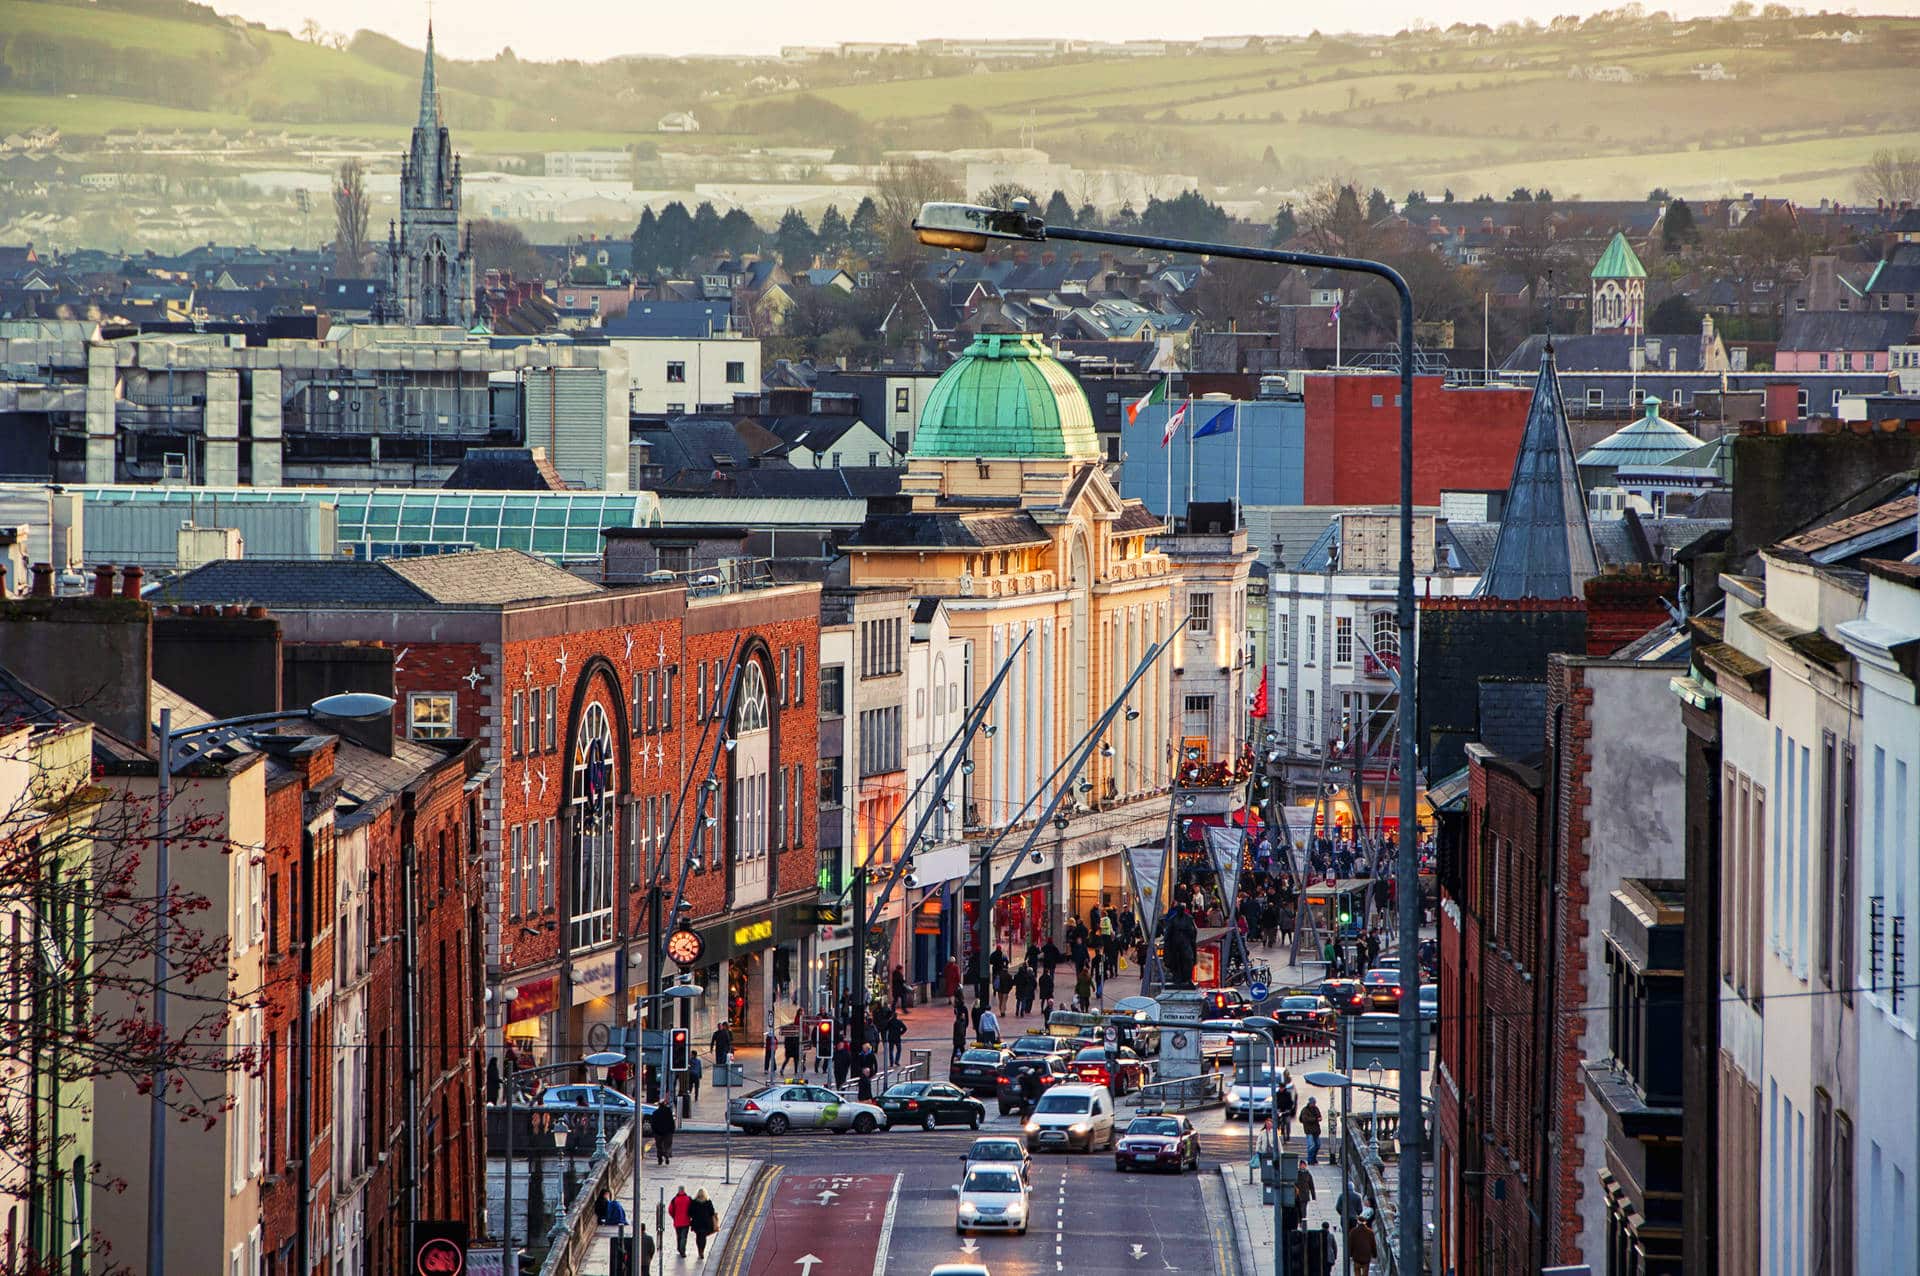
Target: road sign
{"x": 1257, "y": 990}
{"x": 1112, "y": 1036}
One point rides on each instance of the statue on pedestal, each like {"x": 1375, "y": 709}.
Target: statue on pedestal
{"x": 1180, "y": 947}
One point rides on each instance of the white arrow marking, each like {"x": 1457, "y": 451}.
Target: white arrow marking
{"x": 826, "y": 1195}
{"x": 970, "y": 1246}
{"x": 806, "y": 1262}
{"x": 1139, "y": 1251}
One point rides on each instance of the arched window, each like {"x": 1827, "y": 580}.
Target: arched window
{"x": 750, "y": 812}
{"x": 1386, "y": 635}
{"x": 594, "y": 817}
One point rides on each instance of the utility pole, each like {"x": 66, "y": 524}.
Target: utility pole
{"x": 857, "y": 1019}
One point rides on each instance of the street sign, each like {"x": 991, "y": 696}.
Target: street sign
{"x": 1257, "y": 990}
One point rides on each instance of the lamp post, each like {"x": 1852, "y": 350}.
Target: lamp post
{"x": 1269, "y": 1027}
{"x": 679, "y": 992}
{"x": 1340, "y": 1081}
{"x": 968, "y": 228}
{"x": 347, "y": 706}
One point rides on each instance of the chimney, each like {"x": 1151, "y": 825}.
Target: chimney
{"x": 130, "y": 582}
{"x": 92, "y": 656}
{"x": 1706, "y": 329}
{"x": 103, "y": 581}
{"x": 43, "y": 580}
{"x": 1783, "y": 401}
{"x": 227, "y": 664}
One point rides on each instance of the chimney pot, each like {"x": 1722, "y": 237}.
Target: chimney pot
{"x": 130, "y": 580}
{"x": 43, "y": 580}
{"x": 256, "y": 612}
{"x": 232, "y": 609}
{"x": 103, "y": 581}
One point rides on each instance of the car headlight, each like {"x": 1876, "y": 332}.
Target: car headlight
{"x": 1033, "y": 1127}
{"x": 966, "y": 1209}
{"x": 1080, "y": 1127}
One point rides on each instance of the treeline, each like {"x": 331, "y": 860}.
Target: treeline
{"x": 31, "y": 62}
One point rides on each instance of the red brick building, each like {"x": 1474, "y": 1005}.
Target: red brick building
{"x": 599, "y": 714}
{"x": 1465, "y": 438}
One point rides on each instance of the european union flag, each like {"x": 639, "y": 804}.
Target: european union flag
{"x": 1220, "y": 422}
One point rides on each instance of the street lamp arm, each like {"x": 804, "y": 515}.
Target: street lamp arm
{"x": 1271, "y": 256}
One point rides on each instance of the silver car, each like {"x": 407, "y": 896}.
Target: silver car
{"x": 779, "y": 1108}
{"x": 1254, "y": 1096}
{"x": 993, "y": 1197}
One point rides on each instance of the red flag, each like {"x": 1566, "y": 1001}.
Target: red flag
{"x": 1260, "y": 697}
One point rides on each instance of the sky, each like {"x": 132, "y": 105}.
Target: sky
{"x": 597, "y": 29}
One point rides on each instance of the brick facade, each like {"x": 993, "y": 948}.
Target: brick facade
{"x": 281, "y": 998}
{"x": 1465, "y": 438}
{"x": 1569, "y": 736}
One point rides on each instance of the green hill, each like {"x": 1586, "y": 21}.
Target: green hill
{"x": 1606, "y": 107}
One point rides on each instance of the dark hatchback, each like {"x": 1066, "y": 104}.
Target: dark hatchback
{"x": 1344, "y": 995}
{"x": 1158, "y": 1143}
{"x": 1050, "y": 1068}
{"x": 928, "y": 1104}
{"x": 978, "y": 1070}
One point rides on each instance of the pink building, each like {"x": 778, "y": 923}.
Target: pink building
{"x": 1841, "y": 340}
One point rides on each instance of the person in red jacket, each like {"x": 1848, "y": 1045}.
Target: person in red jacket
{"x": 680, "y": 1210}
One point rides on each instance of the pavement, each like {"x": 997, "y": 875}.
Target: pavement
{"x": 726, "y": 1181}
{"x": 888, "y": 1206}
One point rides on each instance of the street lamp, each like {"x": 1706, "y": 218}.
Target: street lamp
{"x": 1269, "y": 1028}
{"x": 678, "y": 992}
{"x": 346, "y": 706}
{"x": 1340, "y": 1081}
{"x": 968, "y": 228}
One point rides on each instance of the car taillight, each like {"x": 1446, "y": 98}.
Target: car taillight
{"x": 1005, "y": 1079}
{"x": 912, "y": 1104}
{"x": 1397, "y": 991}
{"x": 751, "y": 1106}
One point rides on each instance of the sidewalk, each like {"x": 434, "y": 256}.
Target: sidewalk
{"x": 658, "y": 1183}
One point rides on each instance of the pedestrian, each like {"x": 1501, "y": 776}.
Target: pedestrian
{"x": 1082, "y": 990}
{"x": 896, "y": 1033}
{"x": 1023, "y": 987}
{"x": 1283, "y": 1109}
{"x": 680, "y": 1210}
{"x": 694, "y": 1068}
{"x": 705, "y": 1220}
{"x": 722, "y": 1043}
{"x": 960, "y": 1024}
{"x": 493, "y": 1080}
{"x": 647, "y": 1248}
{"x": 950, "y": 977}
{"x": 869, "y": 1068}
{"x": 1030, "y": 1088}
{"x": 766, "y": 1057}
{"x": 989, "y": 1027}
{"x": 661, "y": 1126}
{"x": 902, "y": 995}
{"x": 1303, "y": 1190}
{"x": 1044, "y": 984}
{"x": 1310, "y": 1126}
{"x": 790, "y": 1048}
{"x": 1324, "y": 1249}
{"x": 842, "y": 1064}
{"x": 1002, "y": 985}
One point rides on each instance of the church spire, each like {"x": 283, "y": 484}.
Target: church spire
{"x": 1545, "y": 548}
{"x": 429, "y": 92}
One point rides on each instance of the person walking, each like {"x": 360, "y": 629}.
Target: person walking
{"x": 661, "y": 1126}
{"x": 869, "y": 1067}
{"x": 694, "y": 1068}
{"x": 842, "y": 1064}
{"x": 704, "y": 1219}
{"x": 1310, "y": 1126}
{"x": 1362, "y": 1247}
{"x": 1323, "y": 1250}
{"x": 989, "y": 1027}
{"x": 1002, "y": 985}
{"x": 1023, "y": 986}
{"x": 896, "y": 1033}
{"x": 722, "y": 1043}
{"x": 680, "y": 1210}
{"x": 1303, "y": 1192}
{"x": 960, "y": 1024}
{"x": 1283, "y": 1111}
{"x": 1044, "y": 985}
{"x": 1082, "y": 990}
{"x": 767, "y": 1049}
{"x": 902, "y": 995}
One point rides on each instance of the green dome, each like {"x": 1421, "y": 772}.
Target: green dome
{"x": 1006, "y": 397}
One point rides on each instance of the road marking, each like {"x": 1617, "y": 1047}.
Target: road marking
{"x": 886, "y": 1230}
{"x": 806, "y": 1263}
{"x": 750, "y": 1221}
{"x": 826, "y": 1195}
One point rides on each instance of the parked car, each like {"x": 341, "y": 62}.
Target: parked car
{"x": 1383, "y": 987}
{"x": 977, "y": 1069}
{"x": 591, "y": 1098}
{"x": 992, "y": 1197}
{"x": 779, "y": 1108}
{"x": 1000, "y": 1150}
{"x": 1158, "y": 1142}
{"x": 1344, "y": 995}
{"x": 1253, "y": 1097}
{"x": 1122, "y": 1074}
{"x": 1306, "y": 1012}
{"x": 1430, "y": 1002}
{"x": 1070, "y": 1116}
{"x": 928, "y": 1104}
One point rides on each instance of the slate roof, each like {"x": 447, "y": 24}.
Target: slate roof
{"x": 1608, "y": 352}
{"x": 505, "y": 469}
{"x": 1822, "y": 330}
{"x": 948, "y": 531}
{"x": 691, "y": 443}
{"x": 671, "y": 319}
{"x": 1650, "y": 440}
{"x": 479, "y": 577}
{"x": 1135, "y": 517}
{"x": 1545, "y": 549}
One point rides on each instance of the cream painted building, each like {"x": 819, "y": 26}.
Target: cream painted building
{"x": 1015, "y": 527}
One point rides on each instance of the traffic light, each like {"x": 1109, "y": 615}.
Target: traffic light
{"x": 677, "y": 1050}
{"x": 823, "y": 1037}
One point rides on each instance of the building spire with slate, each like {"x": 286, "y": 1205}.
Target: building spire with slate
{"x": 1545, "y": 548}
{"x": 429, "y": 267}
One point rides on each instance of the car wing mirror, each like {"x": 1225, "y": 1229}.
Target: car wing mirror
{"x": 956, "y": 1189}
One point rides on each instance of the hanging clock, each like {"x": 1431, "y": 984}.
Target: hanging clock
{"x": 684, "y": 947}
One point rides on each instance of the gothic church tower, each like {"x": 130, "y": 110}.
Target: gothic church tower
{"x": 429, "y": 267}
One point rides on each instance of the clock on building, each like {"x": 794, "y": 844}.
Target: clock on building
{"x": 684, "y": 947}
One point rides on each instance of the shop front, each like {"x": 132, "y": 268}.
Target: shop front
{"x": 1020, "y": 917}
{"x": 748, "y": 963}
{"x": 530, "y": 1007}
{"x": 1095, "y": 884}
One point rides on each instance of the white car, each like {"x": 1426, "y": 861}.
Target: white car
{"x": 1254, "y": 1097}
{"x": 1072, "y": 1116}
{"x": 779, "y": 1108}
{"x": 960, "y": 1269}
{"x": 993, "y": 1198}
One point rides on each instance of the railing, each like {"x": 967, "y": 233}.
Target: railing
{"x": 1181, "y": 1093}
{"x": 579, "y": 1227}
{"x": 920, "y": 1068}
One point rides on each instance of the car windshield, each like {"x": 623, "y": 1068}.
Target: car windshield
{"x": 1035, "y": 1045}
{"x": 1155, "y": 1125}
{"x": 992, "y": 1179}
{"x": 1093, "y": 1054}
{"x": 1001, "y": 1150}
{"x": 1258, "y": 1076}
{"x": 1070, "y": 1104}
{"x": 908, "y": 1090}
{"x": 980, "y": 1056}
{"x": 1430, "y": 993}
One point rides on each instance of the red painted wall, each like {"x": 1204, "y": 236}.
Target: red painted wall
{"x": 1462, "y": 438}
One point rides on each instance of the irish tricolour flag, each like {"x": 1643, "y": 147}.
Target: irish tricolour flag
{"x": 1156, "y": 395}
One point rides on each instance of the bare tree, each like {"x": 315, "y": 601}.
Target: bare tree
{"x": 1892, "y": 176}
{"x": 1002, "y": 195}
{"x": 310, "y": 31}
{"x": 351, "y": 208}
{"x": 78, "y": 903}
{"x": 903, "y": 186}
{"x": 501, "y": 246}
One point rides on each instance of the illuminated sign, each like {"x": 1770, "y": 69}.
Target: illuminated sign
{"x": 753, "y": 933}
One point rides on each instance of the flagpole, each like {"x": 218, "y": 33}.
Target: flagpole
{"x": 1189, "y": 425}
{"x": 1166, "y": 451}
{"x": 1238, "y": 522}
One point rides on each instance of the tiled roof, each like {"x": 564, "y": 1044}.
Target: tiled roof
{"x": 1892, "y": 514}
{"x": 948, "y": 531}
{"x": 293, "y": 583}
{"x": 1135, "y": 517}
{"x": 1818, "y": 330}
{"x": 489, "y": 576}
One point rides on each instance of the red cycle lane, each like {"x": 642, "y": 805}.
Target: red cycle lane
{"x": 824, "y": 1225}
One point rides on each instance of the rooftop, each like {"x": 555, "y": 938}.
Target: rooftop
{"x": 1007, "y": 397}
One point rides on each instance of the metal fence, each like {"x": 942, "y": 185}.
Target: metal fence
{"x": 1181, "y": 1093}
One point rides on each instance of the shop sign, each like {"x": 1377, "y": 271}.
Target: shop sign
{"x": 593, "y": 976}
{"x": 533, "y": 999}
{"x": 438, "y": 1248}
{"x": 752, "y": 934}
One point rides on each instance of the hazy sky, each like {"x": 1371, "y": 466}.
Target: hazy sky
{"x": 595, "y": 29}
